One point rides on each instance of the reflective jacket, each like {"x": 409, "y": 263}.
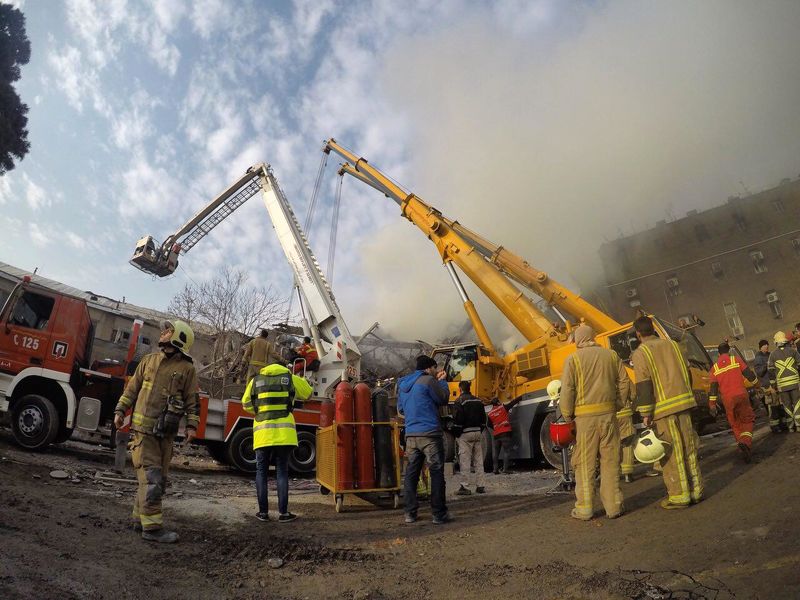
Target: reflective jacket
{"x": 270, "y": 397}
{"x": 727, "y": 377}
{"x": 157, "y": 378}
{"x": 663, "y": 385}
{"x": 783, "y": 365}
{"x": 594, "y": 382}
{"x": 259, "y": 352}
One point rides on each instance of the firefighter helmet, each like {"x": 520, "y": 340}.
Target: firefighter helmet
{"x": 182, "y": 335}
{"x": 554, "y": 390}
{"x": 780, "y": 338}
{"x": 649, "y": 448}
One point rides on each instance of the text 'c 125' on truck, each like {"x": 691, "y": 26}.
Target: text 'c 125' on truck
{"x": 224, "y": 426}
{"x": 505, "y": 278}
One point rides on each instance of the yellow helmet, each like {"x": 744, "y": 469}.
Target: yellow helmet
{"x": 182, "y": 335}
{"x": 780, "y": 338}
{"x": 649, "y": 448}
{"x": 554, "y": 390}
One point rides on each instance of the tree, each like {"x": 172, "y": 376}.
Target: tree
{"x": 232, "y": 309}
{"x": 15, "y": 51}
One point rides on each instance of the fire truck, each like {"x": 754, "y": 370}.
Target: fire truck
{"x": 224, "y": 427}
{"x": 46, "y": 383}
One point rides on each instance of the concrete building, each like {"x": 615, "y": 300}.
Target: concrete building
{"x": 735, "y": 266}
{"x": 112, "y": 319}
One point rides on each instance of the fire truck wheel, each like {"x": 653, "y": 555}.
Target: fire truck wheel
{"x": 546, "y": 444}
{"x": 303, "y": 459}
{"x": 239, "y": 450}
{"x": 64, "y": 433}
{"x": 216, "y": 450}
{"x": 34, "y": 422}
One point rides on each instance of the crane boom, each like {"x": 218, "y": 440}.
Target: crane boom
{"x": 336, "y": 347}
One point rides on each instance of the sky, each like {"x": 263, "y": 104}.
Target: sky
{"x": 549, "y": 127}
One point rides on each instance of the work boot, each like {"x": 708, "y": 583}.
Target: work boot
{"x": 746, "y": 454}
{"x": 628, "y": 478}
{"x": 161, "y": 536}
{"x": 666, "y": 504}
{"x": 496, "y": 472}
{"x": 462, "y": 491}
{"x": 410, "y": 518}
{"x": 480, "y": 490}
{"x": 443, "y": 519}
{"x": 287, "y": 517}
{"x": 576, "y": 515}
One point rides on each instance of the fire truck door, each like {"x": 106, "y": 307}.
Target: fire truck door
{"x": 24, "y": 332}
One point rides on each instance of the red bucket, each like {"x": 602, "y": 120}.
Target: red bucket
{"x": 562, "y": 434}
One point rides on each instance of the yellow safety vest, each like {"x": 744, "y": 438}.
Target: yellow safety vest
{"x": 270, "y": 397}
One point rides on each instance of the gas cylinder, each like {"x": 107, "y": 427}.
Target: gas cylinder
{"x": 365, "y": 460}
{"x": 343, "y": 400}
{"x": 384, "y": 462}
{"x": 326, "y": 413}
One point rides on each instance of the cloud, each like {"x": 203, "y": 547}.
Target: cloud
{"x": 78, "y": 81}
{"x": 208, "y": 16}
{"x": 149, "y": 190}
{"x": 96, "y": 24}
{"x": 39, "y": 238}
{"x": 35, "y": 195}
{"x": 5, "y": 189}
{"x": 131, "y": 126}
{"x": 75, "y": 240}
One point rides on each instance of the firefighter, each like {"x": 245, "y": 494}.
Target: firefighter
{"x": 783, "y": 375}
{"x": 778, "y": 419}
{"x": 258, "y": 353}
{"x": 594, "y": 386}
{"x": 627, "y": 433}
{"x": 727, "y": 377}
{"x": 499, "y": 422}
{"x": 665, "y": 399}
{"x": 307, "y": 352}
{"x": 270, "y": 397}
{"x": 162, "y": 390}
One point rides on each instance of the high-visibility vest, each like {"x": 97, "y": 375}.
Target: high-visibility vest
{"x": 271, "y": 399}
{"x": 681, "y": 397}
{"x": 786, "y": 374}
{"x": 499, "y": 418}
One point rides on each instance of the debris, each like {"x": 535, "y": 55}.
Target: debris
{"x": 194, "y": 481}
{"x": 75, "y": 480}
{"x": 57, "y": 474}
{"x": 37, "y": 476}
{"x": 101, "y": 477}
{"x": 275, "y": 563}
{"x": 83, "y": 515}
{"x": 186, "y": 463}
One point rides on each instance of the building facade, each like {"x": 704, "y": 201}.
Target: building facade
{"x": 734, "y": 266}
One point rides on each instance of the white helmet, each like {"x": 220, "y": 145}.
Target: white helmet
{"x": 554, "y": 390}
{"x": 649, "y": 448}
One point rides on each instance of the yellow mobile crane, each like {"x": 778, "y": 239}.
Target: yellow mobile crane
{"x": 525, "y": 372}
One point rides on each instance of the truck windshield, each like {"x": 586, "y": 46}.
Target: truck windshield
{"x": 691, "y": 347}
{"x": 32, "y": 310}
{"x": 461, "y": 364}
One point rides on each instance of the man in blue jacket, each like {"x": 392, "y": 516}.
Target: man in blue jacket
{"x": 420, "y": 395}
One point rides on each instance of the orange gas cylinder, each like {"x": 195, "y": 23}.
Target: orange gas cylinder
{"x": 365, "y": 457}
{"x": 327, "y": 411}
{"x": 343, "y": 399}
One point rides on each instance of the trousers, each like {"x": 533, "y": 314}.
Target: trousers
{"x": 420, "y": 450}
{"x": 597, "y": 436}
{"x": 627, "y": 438}
{"x": 470, "y": 455}
{"x": 280, "y": 454}
{"x": 740, "y": 416}
{"x": 680, "y": 466}
{"x": 501, "y": 443}
{"x": 150, "y": 456}
{"x": 791, "y": 400}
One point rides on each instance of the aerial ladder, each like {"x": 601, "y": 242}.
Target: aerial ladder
{"x": 339, "y": 355}
{"x": 504, "y": 278}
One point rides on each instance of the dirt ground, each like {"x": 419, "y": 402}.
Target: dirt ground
{"x": 69, "y": 538}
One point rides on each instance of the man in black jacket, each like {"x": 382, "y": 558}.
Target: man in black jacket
{"x": 470, "y": 418}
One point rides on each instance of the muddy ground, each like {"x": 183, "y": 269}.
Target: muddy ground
{"x": 69, "y": 538}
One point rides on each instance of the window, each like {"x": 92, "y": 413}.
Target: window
{"x": 460, "y": 365}
{"x": 774, "y": 303}
{"x": 673, "y": 286}
{"x": 716, "y": 270}
{"x": 758, "y": 261}
{"x": 732, "y": 317}
{"x": 32, "y": 311}
{"x": 740, "y": 221}
{"x": 144, "y": 340}
{"x": 700, "y": 232}
{"x": 796, "y": 246}
{"x": 691, "y": 348}
{"x": 777, "y": 205}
